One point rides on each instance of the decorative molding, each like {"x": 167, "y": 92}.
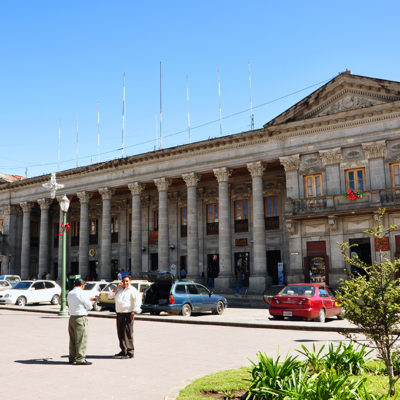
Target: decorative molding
{"x": 136, "y": 188}
{"x": 291, "y": 163}
{"x": 191, "y": 179}
{"x": 375, "y": 150}
{"x": 26, "y": 206}
{"x": 162, "y": 184}
{"x": 10, "y": 210}
{"x": 173, "y": 196}
{"x": 256, "y": 169}
{"x": 222, "y": 174}
{"x": 44, "y": 203}
{"x": 331, "y": 157}
{"x": 106, "y": 193}
{"x": 333, "y": 222}
{"x": 291, "y": 226}
{"x": 83, "y": 197}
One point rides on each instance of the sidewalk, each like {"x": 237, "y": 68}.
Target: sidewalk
{"x": 233, "y": 317}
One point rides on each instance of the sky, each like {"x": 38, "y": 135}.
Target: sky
{"x": 62, "y": 64}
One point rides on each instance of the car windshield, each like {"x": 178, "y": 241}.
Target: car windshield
{"x": 89, "y": 286}
{"x": 110, "y": 287}
{"x": 298, "y": 290}
{"x": 4, "y": 284}
{"x": 23, "y": 285}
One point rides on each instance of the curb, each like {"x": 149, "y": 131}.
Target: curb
{"x": 189, "y": 320}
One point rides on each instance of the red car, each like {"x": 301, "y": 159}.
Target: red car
{"x": 312, "y": 301}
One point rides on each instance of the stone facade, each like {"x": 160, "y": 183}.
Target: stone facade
{"x": 250, "y": 200}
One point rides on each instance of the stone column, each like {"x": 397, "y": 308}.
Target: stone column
{"x": 191, "y": 181}
{"x": 163, "y": 228}
{"x": 259, "y": 277}
{"x": 26, "y": 240}
{"x": 136, "y": 189}
{"x": 105, "y": 260}
{"x": 291, "y": 165}
{"x": 122, "y": 237}
{"x": 331, "y": 160}
{"x": 84, "y": 198}
{"x": 375, "y": 153}
{"x": 44, "y": 236}
{"x": 224, "y": 229}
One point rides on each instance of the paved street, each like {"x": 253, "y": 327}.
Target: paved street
{"x": 168, "y": 356}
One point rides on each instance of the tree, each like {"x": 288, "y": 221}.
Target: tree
{"x": 371, "y": 301}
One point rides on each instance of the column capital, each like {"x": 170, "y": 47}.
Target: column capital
{"x": 83, "y": 197}
{"x": 291, "y": 163}
{"x": 162, "y": 184}
{"x": 375, "y": 150}
{"x": 256, "y": 169}
{"x": 222, "y": 174}
{"x": 191, "y": 179}
{"x": 26, "y": 206}
{"x": 136, "y": 188}
{"x": 106, "y": 193}
{"x": 44, "y": 203}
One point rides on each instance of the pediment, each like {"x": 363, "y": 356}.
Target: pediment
{"x": 344, "y": 93}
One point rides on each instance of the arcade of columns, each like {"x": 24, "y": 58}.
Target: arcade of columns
{"x": 257, "y": 279}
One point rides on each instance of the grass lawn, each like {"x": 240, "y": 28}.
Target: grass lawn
{"x": 233, "y": 383}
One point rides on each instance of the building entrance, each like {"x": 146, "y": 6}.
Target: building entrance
{"x": 93, "y": 265}
{"x": 242, "y": 272}
{"x": 153, "y": 261}
{"x": 363, "y": 251}
{"x": 273, "y": 258}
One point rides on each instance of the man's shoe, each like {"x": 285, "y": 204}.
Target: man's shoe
{"x": 85, "y": 362}
{"x": 126, "y": 356}
{"x": 120, "y": 354}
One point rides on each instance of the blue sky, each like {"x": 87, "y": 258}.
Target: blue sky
{"x": 61, "y": 60}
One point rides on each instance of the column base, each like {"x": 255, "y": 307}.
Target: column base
{"x": 257, "y": 284}
{"x": 221, "y": 284}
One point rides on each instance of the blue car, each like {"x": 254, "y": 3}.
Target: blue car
{"x": 179, "y": 296}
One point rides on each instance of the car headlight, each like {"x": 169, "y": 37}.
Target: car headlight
{"x": 7, "y": 295}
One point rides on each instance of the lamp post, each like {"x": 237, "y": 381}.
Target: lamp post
{"x": 64, "y": 205}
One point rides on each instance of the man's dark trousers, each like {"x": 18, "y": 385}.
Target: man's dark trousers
{"x": 125, "y": 333}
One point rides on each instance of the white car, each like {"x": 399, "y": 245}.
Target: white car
{"x": 93, "y": 289}
{"x": 25, "y": 292}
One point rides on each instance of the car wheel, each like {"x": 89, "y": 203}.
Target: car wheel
{"x": 186, "y": 310}
{"x": 321, "y": 316}
{"x": 55, "y": 300}
{"x": 97, "y": 306}
{"x": 220, "y": 308}
{"x": 21, "y": 301}
{"x": 154, "y": 312}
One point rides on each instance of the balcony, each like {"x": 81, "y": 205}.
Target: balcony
{"x": 271, "y": 223}
{"x": 241, "y": 225}
{"x": 338, "y": 203}
{"x": 93, "y": 239}
{"x": 212, "y": 228}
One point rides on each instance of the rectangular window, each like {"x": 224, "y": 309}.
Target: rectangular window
{"x": 240, "y": 209}
{"x": 212, "y": 213}
{"x": 395, "y": 173}
{"x": 93, "y": 231}
{"x": 114, "y": 229}
{"x": 155, "y": 220}
{"x": 355, "y": 179}
{"x": 212, "y": 219}
{"x": 184, "y": 222}
{"x": 271, "y": 212}
{"x": 75, "y": 233}
{"x": 313, "y": 185}
{"x": 241, "y": 221}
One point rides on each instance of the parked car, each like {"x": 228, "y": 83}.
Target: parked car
{"x": 10, "y": 278}
{"x": 93, "y": 289}
{"x": 179, "y": 296}
{"x": 5, "y": 285}
{"x": 312, "y": 301}
{"x": 104, "y": 302}
{"x": 25, "y": 292}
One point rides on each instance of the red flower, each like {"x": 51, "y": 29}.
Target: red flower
{"x": 352, "y": 195}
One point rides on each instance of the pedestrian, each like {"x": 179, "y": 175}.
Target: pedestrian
{"x": 127, "y": 303}
{"x": 183, "y": 273}
{"x": 119, "y": 275}
{"x": 78, "y": 304}
{"x": 239, "y": 276}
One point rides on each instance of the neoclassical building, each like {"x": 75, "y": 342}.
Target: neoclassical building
{"x": 257, "y": 199}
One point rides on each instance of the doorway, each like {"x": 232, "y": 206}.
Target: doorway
{"x": 273, "y": 258}
{"x": 93, "y": 267}
{"x": 242, "y": 261}
{"x": 363, "y": 251}
{"x": 153, "y": 261}
{"x": 74, "y": 268}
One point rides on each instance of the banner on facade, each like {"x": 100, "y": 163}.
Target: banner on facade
{"x": 382, "y": 244}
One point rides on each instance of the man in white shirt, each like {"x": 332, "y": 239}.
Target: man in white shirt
{"x": 127, "y": 303}
{"x": 78, "y": 304}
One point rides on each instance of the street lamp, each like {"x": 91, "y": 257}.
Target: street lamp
{"x": 64, "y": 205}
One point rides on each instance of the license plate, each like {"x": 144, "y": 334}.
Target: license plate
{"x": 287, "y": 313}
